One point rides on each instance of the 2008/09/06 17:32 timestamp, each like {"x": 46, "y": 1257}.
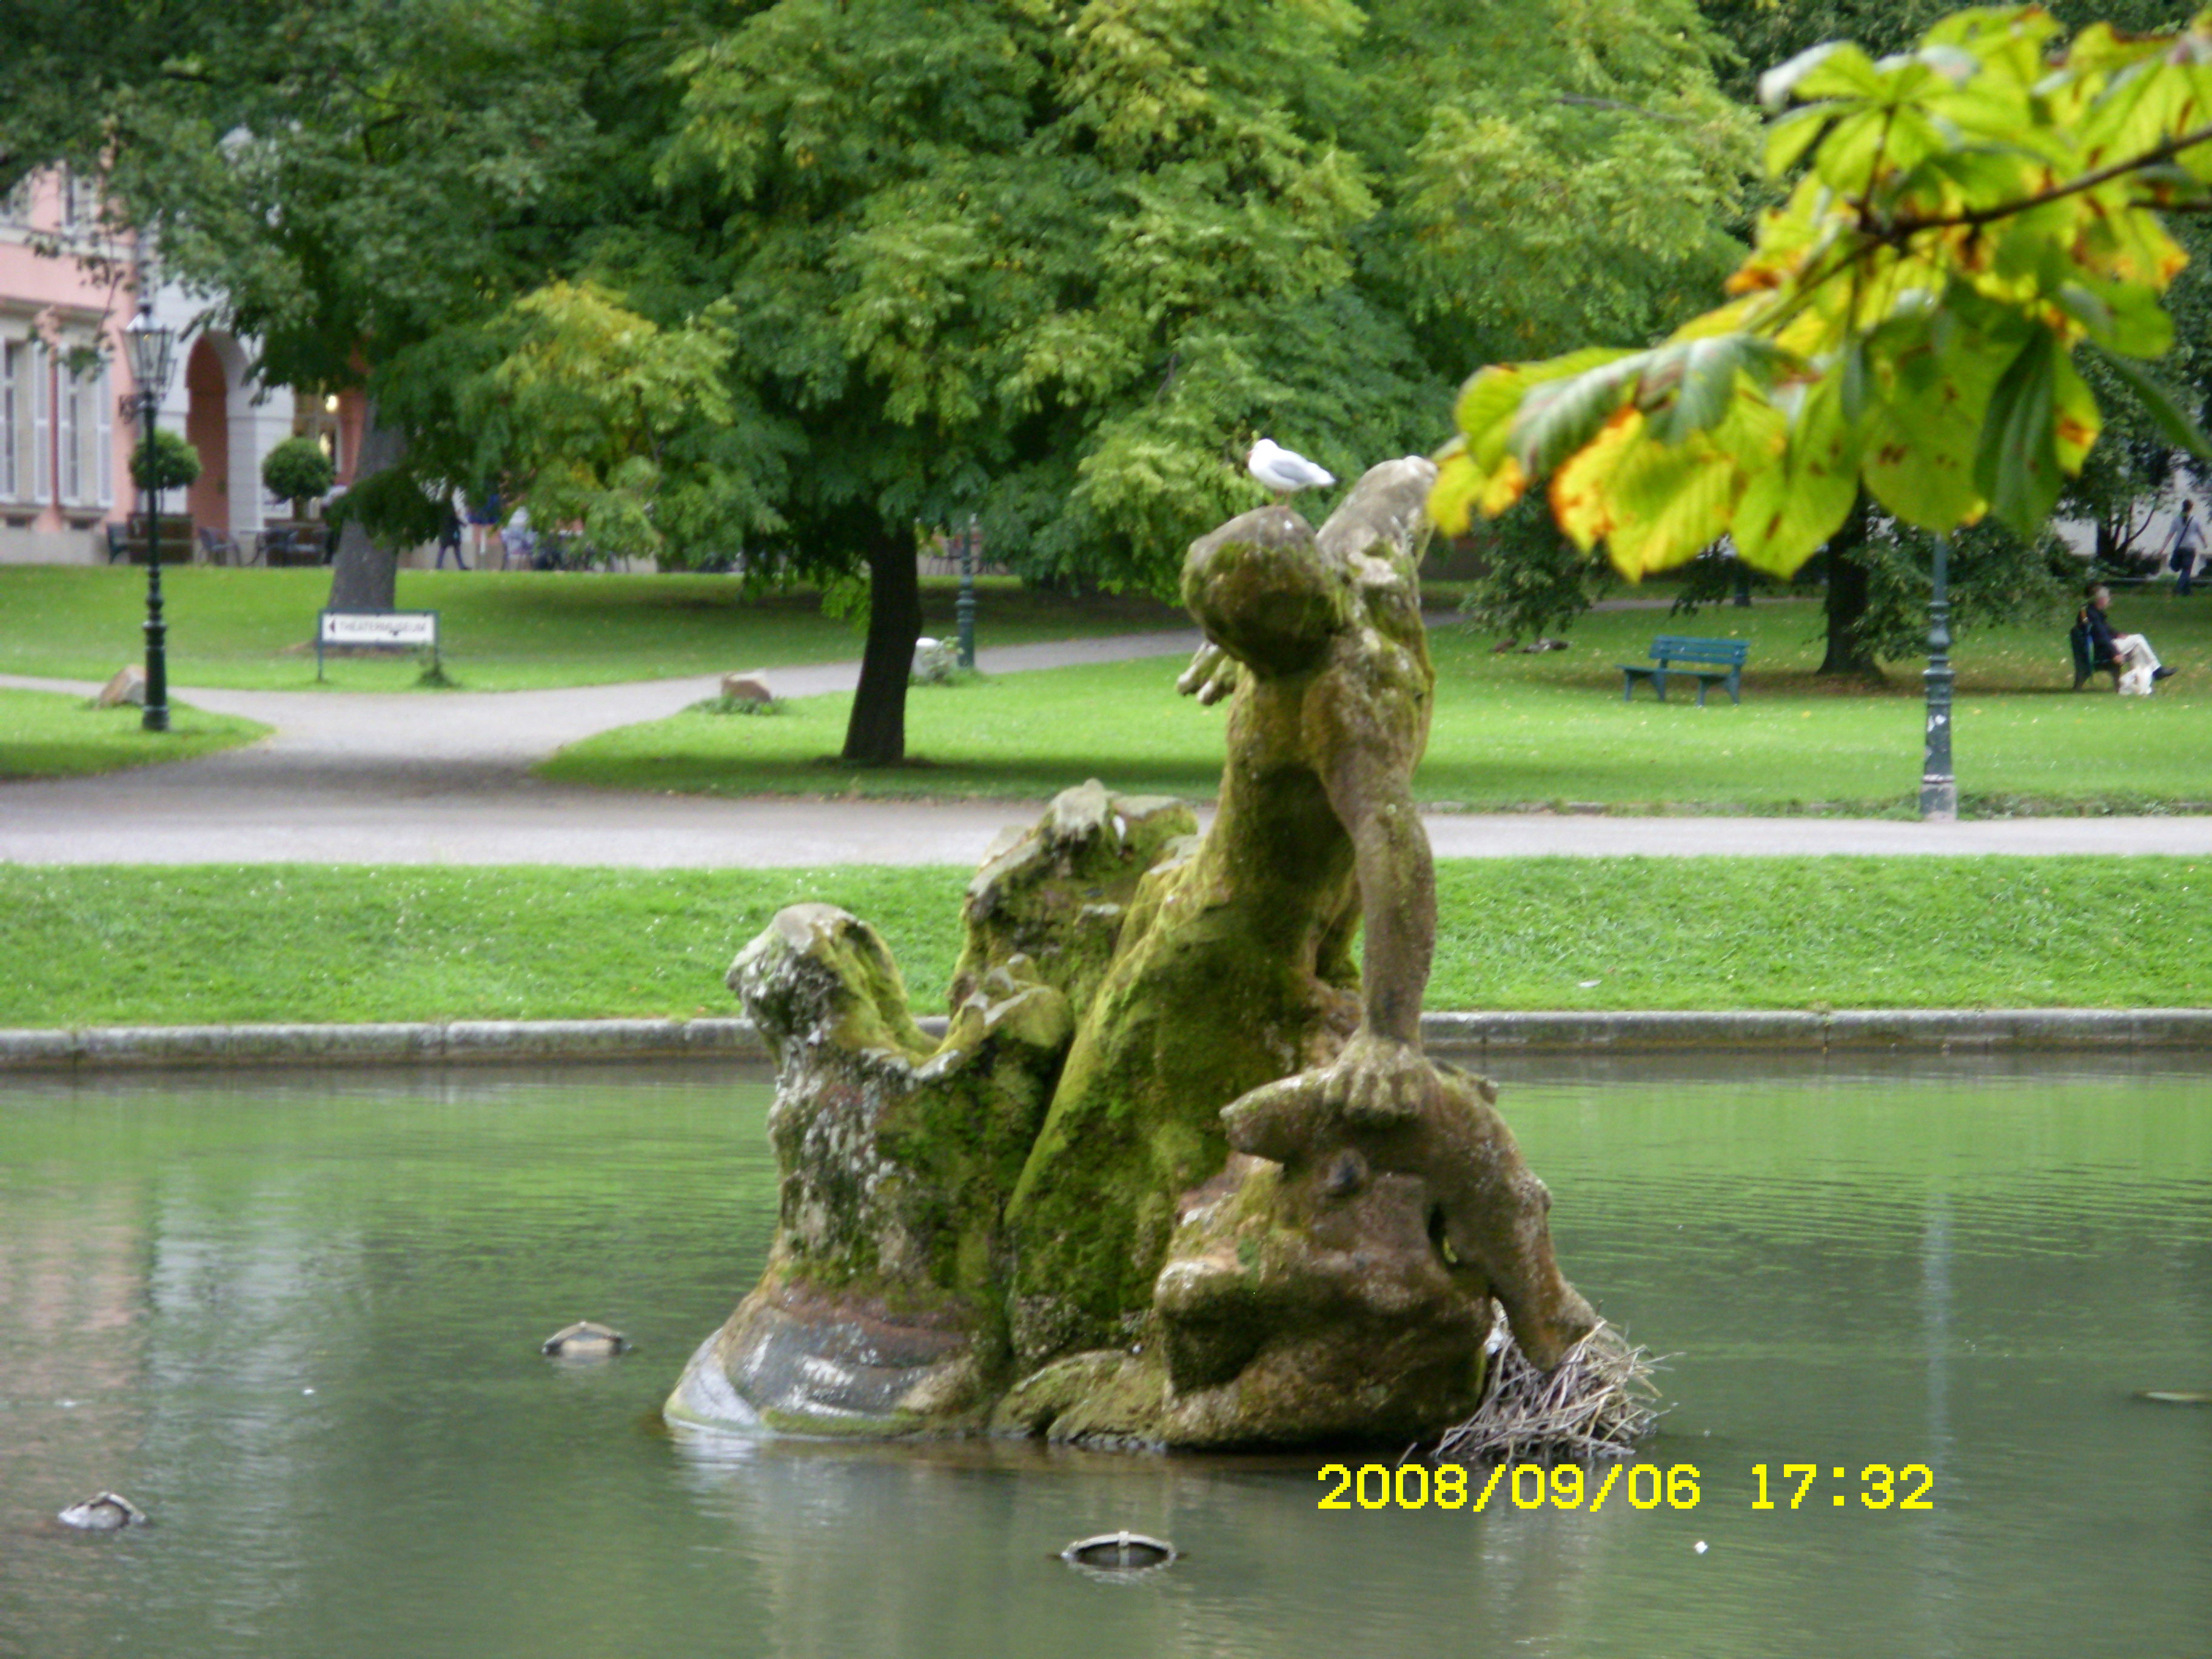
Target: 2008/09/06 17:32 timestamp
{"x": 1642, "y": 1485}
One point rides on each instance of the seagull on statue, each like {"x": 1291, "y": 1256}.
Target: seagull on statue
{"x": 1283, "y": 470}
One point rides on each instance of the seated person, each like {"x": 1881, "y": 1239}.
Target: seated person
{"x": 519, "y": 544}
{"x": 2130, "y": 654}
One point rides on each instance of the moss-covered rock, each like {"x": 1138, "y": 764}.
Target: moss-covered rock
{"x": 880, "y": 1310}
{"x": 1057, "y": 891}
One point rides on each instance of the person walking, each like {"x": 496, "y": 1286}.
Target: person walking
{"x": 449, "y": 534}
{"x": 2185, "y": 550}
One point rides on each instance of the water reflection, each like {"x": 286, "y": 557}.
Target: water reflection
{"x": 1968, "y": 1265}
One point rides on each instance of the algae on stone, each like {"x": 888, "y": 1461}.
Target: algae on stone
{"x": 1179, "y": 1173}
{"x": 880, "y": 1310}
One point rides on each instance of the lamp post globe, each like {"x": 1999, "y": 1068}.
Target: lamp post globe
{"x": 151, "y": 346}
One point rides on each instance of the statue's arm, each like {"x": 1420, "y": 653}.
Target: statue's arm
{"x": 1366, "y": 765}
{"x": 1397, "y": 900}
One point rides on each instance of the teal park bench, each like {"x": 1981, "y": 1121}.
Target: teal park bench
{"x": 1713, "y": 661}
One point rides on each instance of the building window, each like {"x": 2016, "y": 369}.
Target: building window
{"x": 16, "y": 205}
{"x": 14, "y": 417}
{"x": 80, "y": 201}
{"x": 84, "y": 438}
{"x": 38, "y": 482}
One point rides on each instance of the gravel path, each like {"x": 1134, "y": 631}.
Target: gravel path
{"x": 364, "y": 778}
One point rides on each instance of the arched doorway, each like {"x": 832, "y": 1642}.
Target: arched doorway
{"x": 206, "y": 429}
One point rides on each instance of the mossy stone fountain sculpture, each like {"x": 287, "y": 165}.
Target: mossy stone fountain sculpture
{"x": 1178, "y": 1173}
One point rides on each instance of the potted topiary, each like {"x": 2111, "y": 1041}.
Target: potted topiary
{"x": 170, "y": 464}
{"x": 299, "y": 471}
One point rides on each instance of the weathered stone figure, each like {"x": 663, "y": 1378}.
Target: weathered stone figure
{"x": 1178, "y": 1174}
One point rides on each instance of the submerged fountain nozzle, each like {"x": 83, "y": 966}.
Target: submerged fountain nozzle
{"x": 105, "y": 1511}
{"x": 1120, "y": 1551}
{"x": 586, "y": 1339}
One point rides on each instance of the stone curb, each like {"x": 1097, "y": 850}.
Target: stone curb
{"x": 486, "y": 1041}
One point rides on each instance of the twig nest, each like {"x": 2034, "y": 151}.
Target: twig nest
{"x": 1599, "y": 1401}
{"x": 105, "y": 1511}
{"x": 1120, "y": 1551}
{"x": 586, "y": 1339}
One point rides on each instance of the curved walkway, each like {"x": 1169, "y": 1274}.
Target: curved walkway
{"x": 369, "y": 778}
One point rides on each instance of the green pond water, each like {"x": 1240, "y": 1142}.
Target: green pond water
{"x": 297, "y": 1318}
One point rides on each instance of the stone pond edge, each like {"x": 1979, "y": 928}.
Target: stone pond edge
{"x": 467, "y": 1042}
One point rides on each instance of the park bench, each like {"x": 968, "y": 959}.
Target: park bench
{"x": 1714, "y": 662}
{"x": 126, "y": 542}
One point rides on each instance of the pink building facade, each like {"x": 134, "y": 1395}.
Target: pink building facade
{"x": 64, "y": 450}
{"x": 68, "y": 286}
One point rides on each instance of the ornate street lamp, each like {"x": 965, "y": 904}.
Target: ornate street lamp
{"x": 151, "y": 347}
{"x": 1939, "y": 788}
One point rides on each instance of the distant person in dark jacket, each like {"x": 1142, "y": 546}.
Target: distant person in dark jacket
{"x": 2185, "y": 550}
{"x": 449, "y": 536}
{"x": 2137, "y": 663}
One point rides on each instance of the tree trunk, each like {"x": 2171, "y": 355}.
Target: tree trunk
{"x": 363, "y": 576}
{"x": 875, "y": 735}
{"x": 1848, "y": 654}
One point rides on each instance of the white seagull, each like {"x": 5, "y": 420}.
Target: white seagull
{"x": 1283, "y": 470}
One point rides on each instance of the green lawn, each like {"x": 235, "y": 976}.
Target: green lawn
{"x": 499, "y": 630}
{"x": 105, "y": 945}
{"x": 1515, "y": 731}
{"x": 46, "y": 734}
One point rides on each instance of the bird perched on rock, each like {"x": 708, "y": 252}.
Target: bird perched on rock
{"x": 1283, "y": 470}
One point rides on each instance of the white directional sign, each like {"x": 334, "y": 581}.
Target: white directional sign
{"x": 373, "y": 628}
{"x": 376, "y": 631}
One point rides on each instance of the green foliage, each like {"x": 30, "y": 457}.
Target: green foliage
{"x": 298, "y": 472}
{"x": 596, "y": 394}
{"x": 1553, "y": 173}
{"x": 1964, "y": 216}
{"x": 1534, "y": 582}
{"x": 172, "y": 464}
{"x": 1996, "y": 579}
{"x": 1056, "y": 277}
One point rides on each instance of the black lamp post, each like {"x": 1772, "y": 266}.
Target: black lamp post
{"x": 965, "y": 609}
{"x": 1939, "y": 788}
{"x": 150, "y": 347}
